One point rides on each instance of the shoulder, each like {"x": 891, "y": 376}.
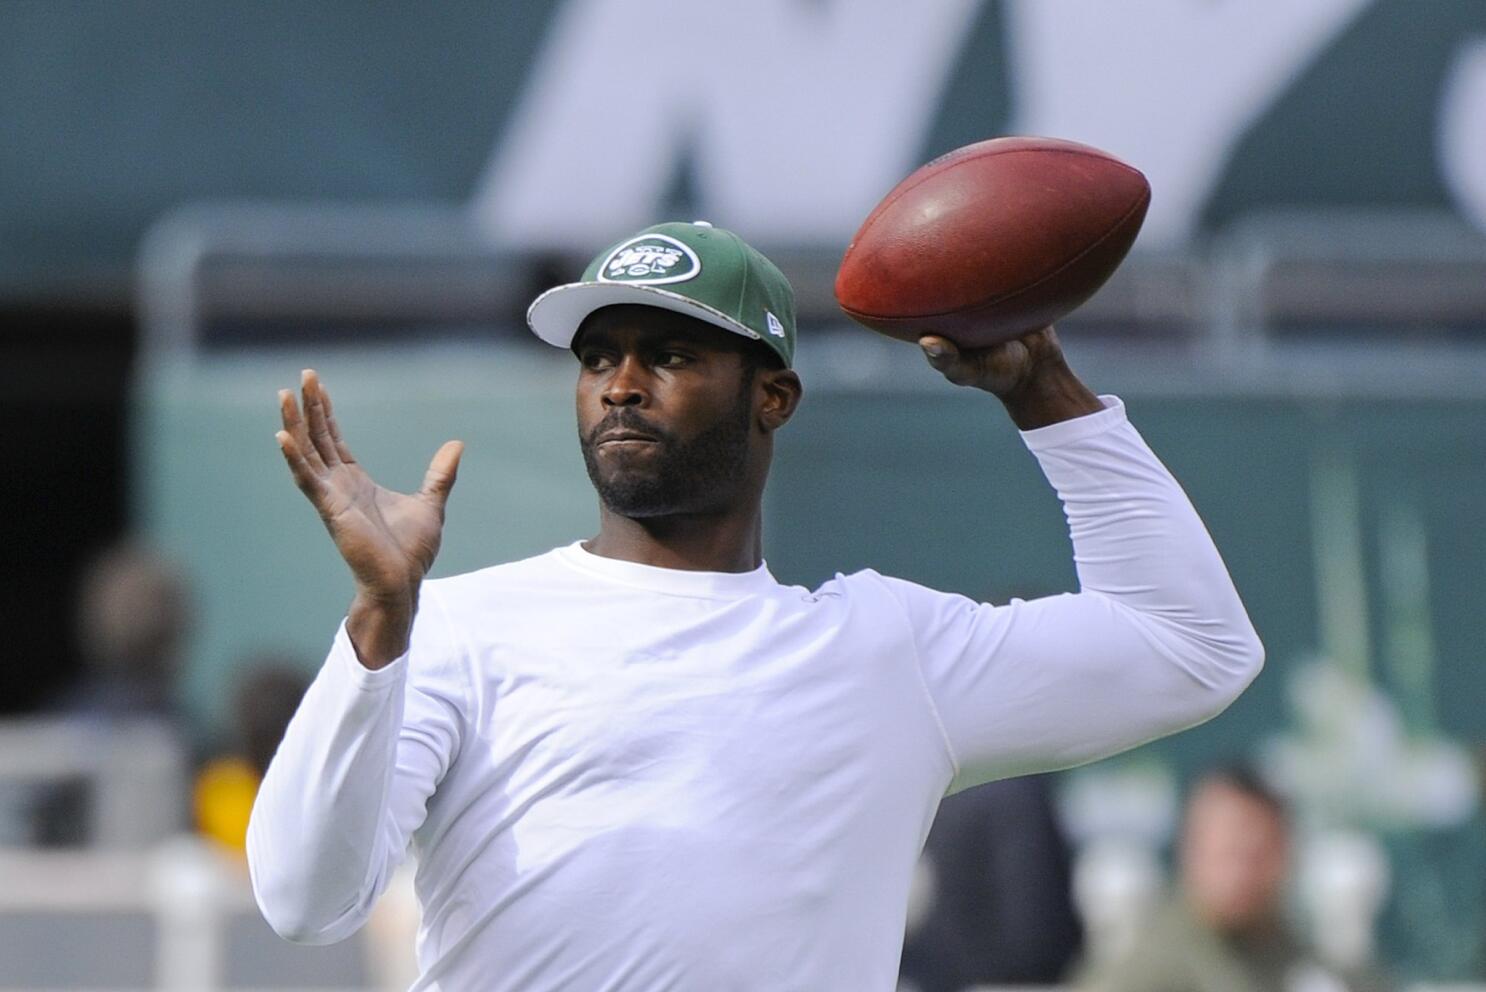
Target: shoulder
{"x": 1170, "y": 951}
{"x": 479, "y": 585}
{"x": 892, "y": 600}
{"x": 1173, "y": 935}
{"x": 870, "y": 585}
{"x": 455, "y": 611}
{"x": 863, "y": 585}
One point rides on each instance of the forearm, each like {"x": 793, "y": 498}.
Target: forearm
{"x": 1138, "y": 541}
{"x": 316, "y": 840}
{"x": 1136, "y": 537}
{"x": 1156, "y": 640}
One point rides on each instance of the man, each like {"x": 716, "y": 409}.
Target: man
{"x": 1224, "y": 930}
{"x": 638, "y": 761}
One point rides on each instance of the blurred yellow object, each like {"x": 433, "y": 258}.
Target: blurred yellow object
{"x": 222, "y": 800}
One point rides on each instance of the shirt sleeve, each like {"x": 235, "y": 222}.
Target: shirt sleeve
{"x": 352, "y": 778}
{"x": 1155, "y": 641}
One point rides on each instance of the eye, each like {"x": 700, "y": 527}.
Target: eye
{"x": 596, "y": 361}
{"x": 671, "y": 359}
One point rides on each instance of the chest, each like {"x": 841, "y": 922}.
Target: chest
{"x": 763, "y": 703}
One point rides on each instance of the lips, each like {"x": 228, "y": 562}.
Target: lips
{"x": 624, "y": 436}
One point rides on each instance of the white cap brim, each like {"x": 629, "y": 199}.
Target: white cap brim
{"x": 556, "y": 315}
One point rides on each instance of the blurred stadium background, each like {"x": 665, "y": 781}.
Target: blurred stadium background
{"x": 199, "y": 199}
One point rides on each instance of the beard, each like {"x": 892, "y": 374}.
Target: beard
{"x": 693, "y": 475}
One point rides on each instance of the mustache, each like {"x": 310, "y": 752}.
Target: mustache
{"x": 625, "y": 418}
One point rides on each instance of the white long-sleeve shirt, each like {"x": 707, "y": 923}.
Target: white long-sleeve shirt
{"x": 621, "y": 777}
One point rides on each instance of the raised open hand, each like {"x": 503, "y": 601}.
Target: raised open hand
{"x": 389, "y": 539}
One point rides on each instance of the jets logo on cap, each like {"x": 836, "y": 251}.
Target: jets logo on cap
{"x": 650, "y": 259}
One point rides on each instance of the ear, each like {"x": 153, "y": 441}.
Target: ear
{"x": 781, "y": 390}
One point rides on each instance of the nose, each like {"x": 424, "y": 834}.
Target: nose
{"x": 626, "y": 387}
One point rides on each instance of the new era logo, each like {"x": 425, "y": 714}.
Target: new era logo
{"x": 775, "y": 327}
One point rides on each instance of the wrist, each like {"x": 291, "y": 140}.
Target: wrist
{"x": 380, "y": 625}
{"x": 1049, "y": 394}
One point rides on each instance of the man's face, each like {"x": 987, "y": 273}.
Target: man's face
{"x": 665, "y": 411}
{"x": 1235, "y": 854}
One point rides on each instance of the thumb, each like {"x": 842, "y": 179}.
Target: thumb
{"x": 941, "y": 352}
{"x": 442, "y": 471}
{"x": 946, "y": 358}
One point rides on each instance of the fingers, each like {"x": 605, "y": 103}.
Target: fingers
{"x": 306, "y": 476}
{"x": 946, "y": 358}
{"x": 939, "y": 351}
{"x": 442, "y": 471}
{"x": 314, "y": 413}
{"x": 342, "y": 452}
{"x": 294, "y": 426}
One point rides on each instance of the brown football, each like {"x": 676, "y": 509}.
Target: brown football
{"x": 992, "y": 240}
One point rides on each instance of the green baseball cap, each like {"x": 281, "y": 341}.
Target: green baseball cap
{"x": 695, "y": 269}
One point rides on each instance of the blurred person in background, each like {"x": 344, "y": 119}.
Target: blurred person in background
{"x": 133, "y": 616}
{"x": 1224, "y": 929}
{"x": 134, "y": 613}
{"x": 268, "y": 691}
{"x": 998, "y": 884}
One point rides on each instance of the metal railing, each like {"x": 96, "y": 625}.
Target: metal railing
{"x": 1325, "y": 305}
{"x": 424, "y": 265}
{"x": 178, "y": 917}
{"x": 200, "y": 932}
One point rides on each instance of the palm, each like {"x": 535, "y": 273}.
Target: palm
{"x": 389, "y": 539}
{"x": 385, "y": 536}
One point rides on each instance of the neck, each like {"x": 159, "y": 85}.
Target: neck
{"x": 725, "y": 542}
